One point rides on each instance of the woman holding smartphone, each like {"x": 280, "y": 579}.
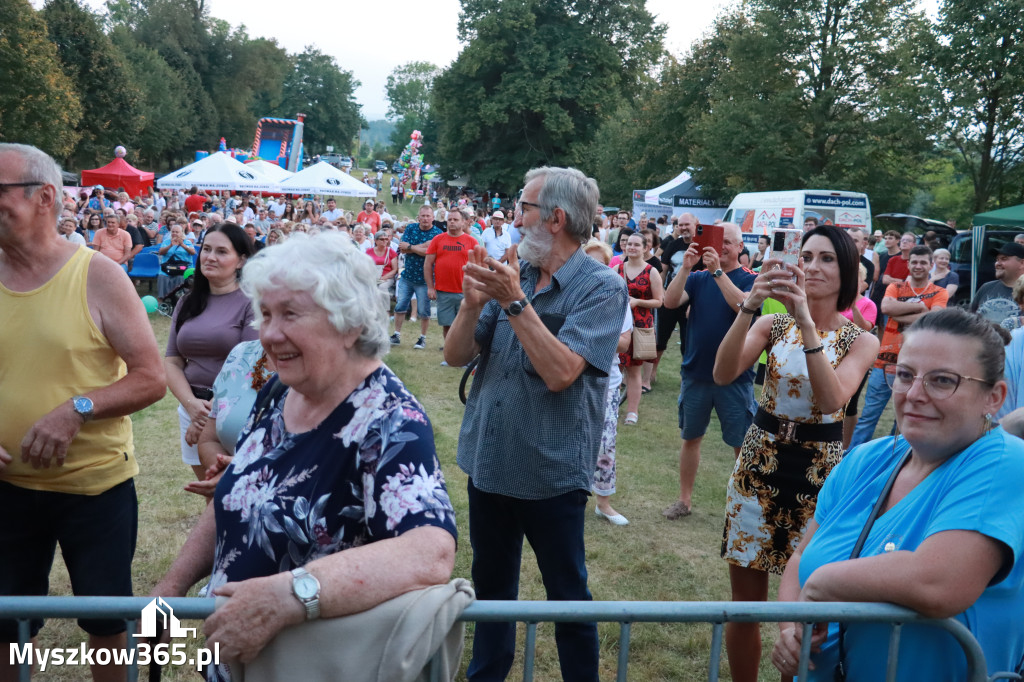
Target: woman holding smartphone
{"x": 816, "y": 360}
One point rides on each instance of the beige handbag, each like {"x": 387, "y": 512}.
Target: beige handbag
{"x": 644, "y": 343}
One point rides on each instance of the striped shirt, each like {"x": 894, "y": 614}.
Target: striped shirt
{"x": 518, "y": 438}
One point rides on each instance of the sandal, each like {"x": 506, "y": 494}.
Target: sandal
{"x": 631, "y": 418}
{"x": 645, "y": 390}
{"x": 676, "y": 510}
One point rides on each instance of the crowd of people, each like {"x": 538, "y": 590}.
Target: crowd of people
{"x": 326, "y": 495}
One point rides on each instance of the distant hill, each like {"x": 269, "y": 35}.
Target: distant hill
{"x": 379, "y": 133}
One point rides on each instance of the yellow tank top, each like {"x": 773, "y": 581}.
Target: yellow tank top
{"x": 50, "y": 350}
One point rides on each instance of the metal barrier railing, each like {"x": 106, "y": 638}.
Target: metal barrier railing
{"x": 533, "y": 612}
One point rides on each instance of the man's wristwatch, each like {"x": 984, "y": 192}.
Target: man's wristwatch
{"x": 717, "y": 273}
{"x": 82, "y": 407}
{"x": 516, "y": 307}
{"x": 306, "y": 589}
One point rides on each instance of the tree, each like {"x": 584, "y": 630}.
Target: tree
{"x": 534, "y": 82}
{"x": 324, "y": 92}
{"x": 109, "y": 96}
{"x": 38, "y": 102}
{"x": 981, "y": 68}
{"x": 408, "y": 90}
{"x": 832, "y": 93}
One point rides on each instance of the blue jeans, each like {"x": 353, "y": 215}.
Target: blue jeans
{"x": 554, "y": 528}
{"x": 875, "y": 400}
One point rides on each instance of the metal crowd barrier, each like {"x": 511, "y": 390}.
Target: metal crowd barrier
{"x": 533, "y": 612}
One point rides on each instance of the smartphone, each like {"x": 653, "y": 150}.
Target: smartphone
{"x": 709, "y": 235}
{"x": 786, "y": 245}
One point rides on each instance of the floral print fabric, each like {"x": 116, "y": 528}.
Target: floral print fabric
{"x": 774, "y": 486}
{"x": 367, "y": 472}
{"x": 639, "y": 287}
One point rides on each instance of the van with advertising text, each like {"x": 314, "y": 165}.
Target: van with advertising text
{"x": 759, "y": 213}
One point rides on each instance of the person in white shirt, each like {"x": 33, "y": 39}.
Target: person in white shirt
{"x": 333, "y": 212}
{"x": 496, "y": 238}
{"x": 66, "y": 229}
{"x": 276, "y": 207}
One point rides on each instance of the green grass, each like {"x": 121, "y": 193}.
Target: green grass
{"x": 650, "y": 559}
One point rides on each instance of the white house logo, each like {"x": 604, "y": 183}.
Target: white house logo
{"x": 182, "y": 173}
{"x": 333, "y": 181}
{"x": 160, "y": 611}
{"x": 247, "y": 175}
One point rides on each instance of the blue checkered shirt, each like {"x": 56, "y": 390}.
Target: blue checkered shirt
{"x": 518, "y": 438}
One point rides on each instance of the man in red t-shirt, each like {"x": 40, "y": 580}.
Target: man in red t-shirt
{"x": 898, "y": 268}
{"x": 194, "y": 201}
{"x": 442, "y": 268}
{"x": 369, "y": 216}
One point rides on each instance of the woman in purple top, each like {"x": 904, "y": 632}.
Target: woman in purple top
{"x": 210, "y": 321}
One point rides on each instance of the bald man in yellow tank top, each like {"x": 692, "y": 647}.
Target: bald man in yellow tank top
{"x": 77, "y": 356}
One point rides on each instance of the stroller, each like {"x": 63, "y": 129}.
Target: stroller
{"x": 166, "y": 307}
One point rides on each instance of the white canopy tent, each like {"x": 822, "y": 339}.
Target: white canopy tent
{"x": 269, "y": 170}
{"x": 218, "y": 171}
{"x": 323, "y": 178}
{"x": 675, "y": 197}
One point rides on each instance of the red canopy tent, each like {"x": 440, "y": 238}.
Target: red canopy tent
{"x": 119, "y": 173}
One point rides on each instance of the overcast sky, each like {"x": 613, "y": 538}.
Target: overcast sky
{"x": 371, "y": 38}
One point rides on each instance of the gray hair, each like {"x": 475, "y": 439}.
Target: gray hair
{"x": 339, "y": 277}
{"x": 573, "y": 192}
{"x": 38, "y": 167}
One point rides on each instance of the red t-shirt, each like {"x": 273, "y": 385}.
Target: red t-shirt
{"x": 898, "y": 267}
{"x": 389, "y": 260}
{"x": 372, "y": 219}
{"x": 194, "y": 203}
{"x": 451, "y": 253}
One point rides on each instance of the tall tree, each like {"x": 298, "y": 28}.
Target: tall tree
{"x": 981, "y": 67}
{"x": 821, "y": 93}
{"x": 109, "y": 96}
{"x": 535, "y": 80}
{"x": 324, "y": 92}
{"x": 38, "y": 102}
{"x": 408, "y": 90}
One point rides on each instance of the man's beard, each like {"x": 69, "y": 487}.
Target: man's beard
{"x": 535, "y": 245}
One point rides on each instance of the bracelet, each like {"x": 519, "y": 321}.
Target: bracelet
{"x": 745, "y": 309}
{"x": 816, "y": 349}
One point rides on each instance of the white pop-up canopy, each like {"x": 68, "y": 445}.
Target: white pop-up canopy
{"x": 218, "y": 171}
{"x": 323, "y": 178}
{"x": 270, "y": 171}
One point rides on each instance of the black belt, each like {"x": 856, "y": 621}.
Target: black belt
{"x": 797, "y": 432}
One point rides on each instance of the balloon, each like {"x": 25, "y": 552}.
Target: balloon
{"x": 120, "y": 151}
{"x": 150, "y": 303}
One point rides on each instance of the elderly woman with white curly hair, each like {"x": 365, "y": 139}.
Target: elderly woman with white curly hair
{"x": 334, "y": 501}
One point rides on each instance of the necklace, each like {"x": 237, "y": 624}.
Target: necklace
{"x": 915, "y": 291}
{"x": 259, "y": 372}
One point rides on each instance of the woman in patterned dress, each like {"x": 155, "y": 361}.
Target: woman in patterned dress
{"x": 645, "y": 294}
{"x": 335, "y": 478}
{"x": 816, "y": 359}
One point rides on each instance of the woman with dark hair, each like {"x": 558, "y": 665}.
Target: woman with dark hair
{"x": 938, "y": 507}
{"x": 207, "y": 323}
{"x": 92, "y": 224}
{"x": 816, "y": 360}
{"x": 619, "y": 247}
{"x": 289, "y": 211}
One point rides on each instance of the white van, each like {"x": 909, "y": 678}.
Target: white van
{"x": 759, "y": 213}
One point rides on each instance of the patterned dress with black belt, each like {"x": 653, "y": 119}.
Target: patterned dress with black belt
{"x": 774, "y": 487}
{"x": 643, "y": 318}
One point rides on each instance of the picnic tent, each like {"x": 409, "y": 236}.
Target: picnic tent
{"x": 218, "y": 171}
{"x": 323, "y": 178}
{"x": 269, "y": 170}
{"x": 1012, "y": 216}
{"x": 119, "y": 173}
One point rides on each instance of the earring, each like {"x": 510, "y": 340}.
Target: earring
{"x": 989, "y": 421}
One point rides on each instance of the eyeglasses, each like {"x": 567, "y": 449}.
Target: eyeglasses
{"x": 939, "y": 383}
{"x": 521, "y": 204}
{"x": 4, "y": 186}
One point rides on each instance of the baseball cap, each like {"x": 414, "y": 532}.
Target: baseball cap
{"x": 498, "y": 214}
{"x": 97, "y": 186}
{"x": 1009, "y": 249}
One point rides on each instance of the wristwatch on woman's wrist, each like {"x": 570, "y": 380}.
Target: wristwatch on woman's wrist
{"x": 306, "y": 589}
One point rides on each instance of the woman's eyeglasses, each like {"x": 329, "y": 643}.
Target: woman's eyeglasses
{"x": 939, "y": 383}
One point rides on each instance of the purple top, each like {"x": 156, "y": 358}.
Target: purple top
{"x": 205, "y": 341}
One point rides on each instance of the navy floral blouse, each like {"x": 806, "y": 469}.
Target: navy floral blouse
{"x": 367, "y": 472}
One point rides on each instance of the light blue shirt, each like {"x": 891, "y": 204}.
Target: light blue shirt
{"x": 1013, "y": 371}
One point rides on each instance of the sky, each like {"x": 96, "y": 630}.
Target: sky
{"x": 371, "y": 38}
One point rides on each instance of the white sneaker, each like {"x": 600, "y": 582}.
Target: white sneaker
{"x": 615, "y": 519}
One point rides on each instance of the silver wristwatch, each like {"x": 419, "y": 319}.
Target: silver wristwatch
{"x": 82, "y": 407}
{"x": 306, "y": 589}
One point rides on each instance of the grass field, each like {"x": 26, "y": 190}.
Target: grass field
{"x": 650, "y": 559}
